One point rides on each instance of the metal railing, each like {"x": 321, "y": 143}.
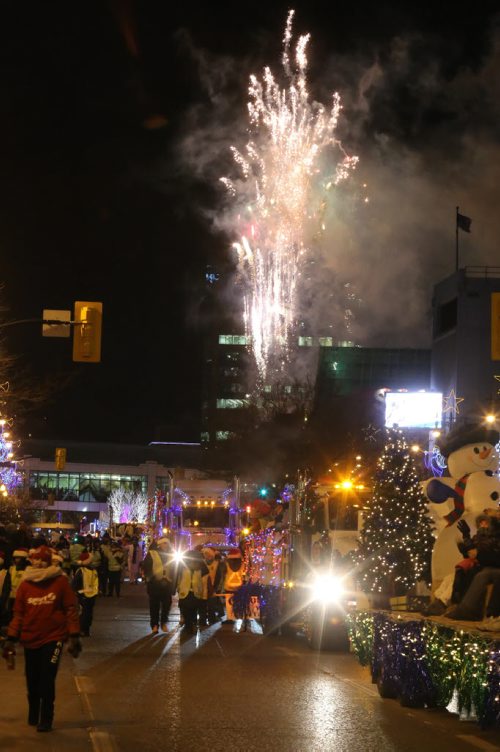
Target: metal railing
{"x": 485, "y": 272}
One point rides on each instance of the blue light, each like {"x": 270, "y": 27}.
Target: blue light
{"x": 263, "y": 492}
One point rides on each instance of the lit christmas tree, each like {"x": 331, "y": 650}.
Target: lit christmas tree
{"x": 396, "y": 538}
{"x": 10, "y": 477}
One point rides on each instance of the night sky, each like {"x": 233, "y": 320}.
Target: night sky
{"x": 112, "y": 135}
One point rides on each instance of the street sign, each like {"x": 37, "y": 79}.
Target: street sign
{"x": 56, "y": 323}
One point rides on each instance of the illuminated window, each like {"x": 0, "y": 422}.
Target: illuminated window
{"x": 232, "y": 404}
{"x": 233, "y": 339}
{"x": 306, "y": 341}
{"x": 205, "y": 436}
{"x": 268, "y": 388}
{"x": 325, "y": 341}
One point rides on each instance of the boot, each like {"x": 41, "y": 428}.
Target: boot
{"x": 33, "y": 710}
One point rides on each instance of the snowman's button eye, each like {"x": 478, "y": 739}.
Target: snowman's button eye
{"x": 476, "y": 450}
{"x": 489, "y": 473}
{"x": 494, "y": 495}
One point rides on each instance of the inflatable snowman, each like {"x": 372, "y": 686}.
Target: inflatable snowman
{"x": 472, "y": 487}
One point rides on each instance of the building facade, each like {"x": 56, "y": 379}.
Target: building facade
{"x": 93, "y": 471}
{"x": 466, "y": 339}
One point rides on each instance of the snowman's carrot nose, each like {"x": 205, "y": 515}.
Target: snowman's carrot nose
{"x": 485, "y": 453}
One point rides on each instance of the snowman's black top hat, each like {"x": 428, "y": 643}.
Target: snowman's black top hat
{"x": 464, "y": 434}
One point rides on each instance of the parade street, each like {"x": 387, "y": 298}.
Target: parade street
{"x": 130, "y": 690}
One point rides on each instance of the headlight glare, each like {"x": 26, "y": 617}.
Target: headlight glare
{"x": 327, "y": 589}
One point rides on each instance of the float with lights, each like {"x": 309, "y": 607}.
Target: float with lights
{"x": 292, "y": 572}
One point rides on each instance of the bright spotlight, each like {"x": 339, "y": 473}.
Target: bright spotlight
{"x": 346, "y": 485}
{"x": 327, "y": 589}
{"x": 490, "y": 418}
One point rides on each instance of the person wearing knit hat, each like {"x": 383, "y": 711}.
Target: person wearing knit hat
{"x": 45, "y": 616}
{"x": 86, "y": 586}
{"x": 20, "y": 553}
{"x": 160, "y": 571}
{"x": 116, "y": 560}
{"x": 192, "y": 590}
{"x": 13, "y": 579}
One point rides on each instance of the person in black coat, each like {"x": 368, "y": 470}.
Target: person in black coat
{"x": 487, "y": 542}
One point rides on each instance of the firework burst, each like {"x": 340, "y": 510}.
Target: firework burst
{"x": 277, "y": 196}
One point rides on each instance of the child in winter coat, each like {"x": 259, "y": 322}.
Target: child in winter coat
{"x": 465, "y": 570}
{"x": 86, "y": 586}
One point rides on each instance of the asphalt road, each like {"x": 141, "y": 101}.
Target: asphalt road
{"x": 131, "y": 691}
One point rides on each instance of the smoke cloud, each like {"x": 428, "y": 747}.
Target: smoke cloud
{"x": 427, "y": 138}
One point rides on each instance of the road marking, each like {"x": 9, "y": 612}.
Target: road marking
{"x": 85, "y": 685}
{"x": 101, "y": 741}
{"x": 477, "y": 742}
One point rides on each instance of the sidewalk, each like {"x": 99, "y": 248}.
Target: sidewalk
{"x": 70, "y": 723}
{"x": 117, "y": 623}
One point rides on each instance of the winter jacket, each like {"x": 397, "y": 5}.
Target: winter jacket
{"x": 192, "y": 580}
{"x": 115, "y": 560}
{"x": 159, "y": 566}
{"x": 45, "y": 610}
{"x": 215, "y": 577}
{"x": 86, "y": 582}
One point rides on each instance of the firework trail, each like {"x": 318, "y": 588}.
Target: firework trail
{"x": 276, "y": 197}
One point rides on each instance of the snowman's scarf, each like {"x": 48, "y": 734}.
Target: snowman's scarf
{"x": 458, "y": 500}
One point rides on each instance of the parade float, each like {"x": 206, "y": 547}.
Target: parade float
{"x": 433, "y": 661}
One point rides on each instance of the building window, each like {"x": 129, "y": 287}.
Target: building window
{"x": 82, "y": 486}
{"x": 325, "y": 341}
{"x": 306, "y": 341}
{"x": 233, "y": 339}
{"x": 268, "y": 388}
{"x": 232, "y": 404}
{"x": 205, "y": 436}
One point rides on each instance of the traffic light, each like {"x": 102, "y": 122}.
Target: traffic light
{"x": 60, "y": 458}
{"x": 87, "y": 328}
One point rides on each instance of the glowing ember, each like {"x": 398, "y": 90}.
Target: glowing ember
{"x": 280, "y": 175}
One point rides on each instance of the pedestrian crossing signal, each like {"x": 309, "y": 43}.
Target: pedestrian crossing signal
{"x": 87, "y": 327}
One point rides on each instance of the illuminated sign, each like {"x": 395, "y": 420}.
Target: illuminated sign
{"x": 413, "y": 409}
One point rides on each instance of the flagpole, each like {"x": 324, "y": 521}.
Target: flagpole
{"x": 456, "y": 241}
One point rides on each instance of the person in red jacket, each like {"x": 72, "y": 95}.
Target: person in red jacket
{"x": 45, "y": 615}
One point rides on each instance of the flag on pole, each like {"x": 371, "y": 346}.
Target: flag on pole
{"x": 463, "y": 222}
